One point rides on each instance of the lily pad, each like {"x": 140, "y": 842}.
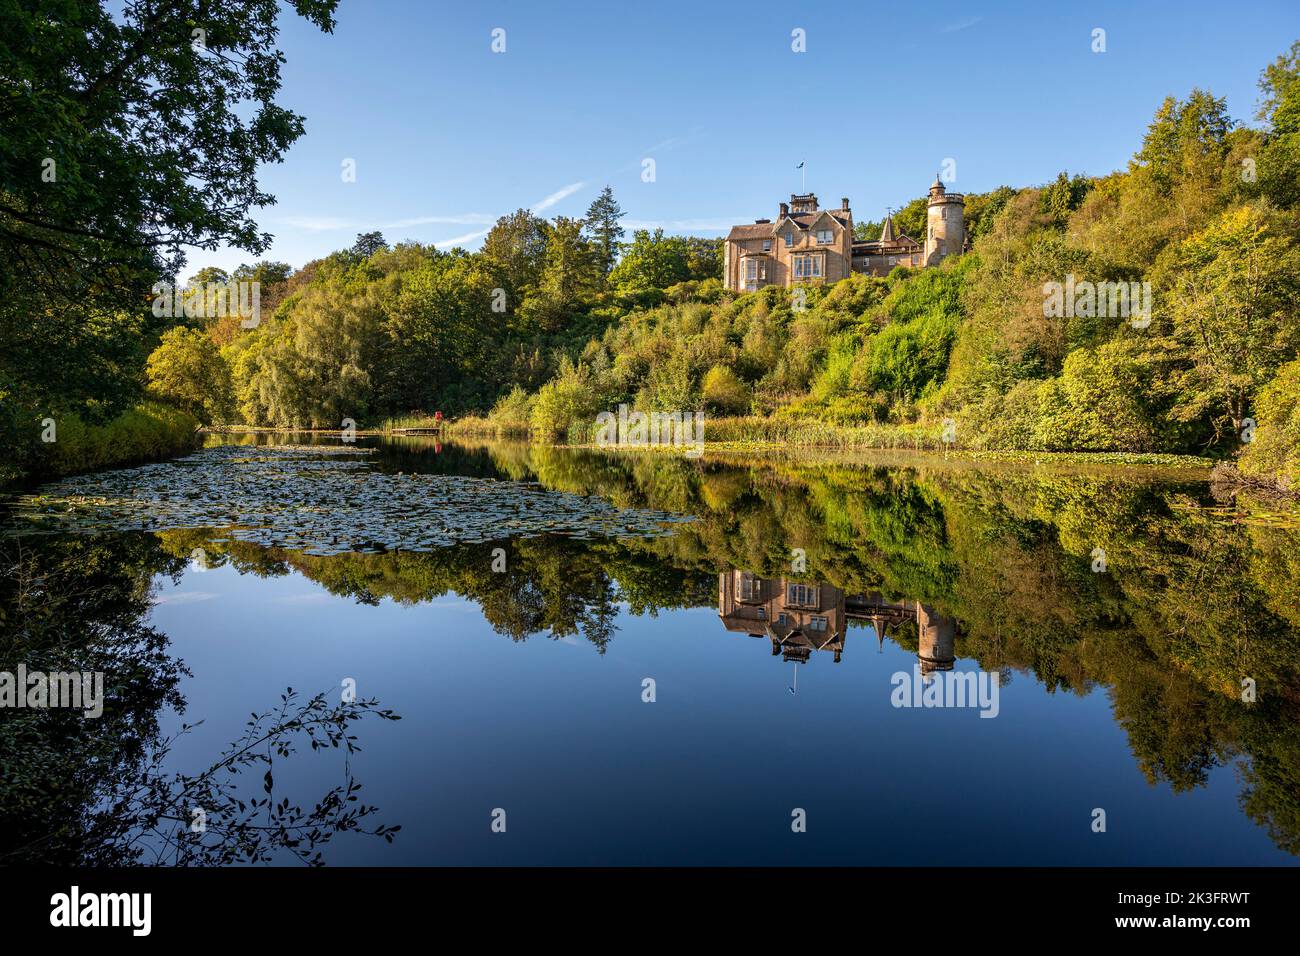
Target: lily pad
{"x": 318, "y": 500}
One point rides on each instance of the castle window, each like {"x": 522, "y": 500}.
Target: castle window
{"x": 767, "y": 245}
{"x": 789, "y": 239}
{"x": 801, "y": 594}
{"x": 823, "y": 236}
{"x": 807, "y": 267}
{"x": 817, "y": 624}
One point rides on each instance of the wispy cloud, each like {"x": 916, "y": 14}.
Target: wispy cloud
{"x": 467, "y": 219}
{"x": 958, "y": 25}
{"x": 306, "y": 597}
{"x": 547, "y": 202}
{"x": 557, "y": 196}
{"x": 185, "y": 597}
{"x": 459, "y": 240}
{"x": 338, "y": 224}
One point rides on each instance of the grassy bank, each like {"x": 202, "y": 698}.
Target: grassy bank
{"x": 779, "y": 435}
{"x": 148, "y": 432}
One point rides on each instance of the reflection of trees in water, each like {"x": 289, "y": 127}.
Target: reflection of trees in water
{"x": 551, "y": 585}
{"x": 1190, "y": 604}
{"x": 93, "y": 791}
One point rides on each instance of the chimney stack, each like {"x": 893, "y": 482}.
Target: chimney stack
{"x": 785, "y": 210}
{"x": 844, "y": 203}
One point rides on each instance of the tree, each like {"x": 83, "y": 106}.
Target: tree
{"x": 368, "y": 243}
{"x": 131, "y": 131}
{"x": 570, "y": 272}
{"x": 436, "y": 335}
{"x": 188, "y": 370}
{"x": 1063, "y": 196}
{"x": 652, "y": 261}
{"x": 514, "y": 253}
{"x": 96, "y": 195}
{"x": 704, "y": 257}
{"x": 1279, "y": 162}
{"x": 1234, "y": 305}
{"x": 604, "y": 232}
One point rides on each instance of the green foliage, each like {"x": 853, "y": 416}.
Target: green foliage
{"x": 126, "y": 200}
{"x": 512, "y": 413}
{"x": 652, "y": 261}
{"x": 147, "y": 432}
{"x": 188, "y": 370}
{"x": 722, "y": 391}
{"x": 603, "y": 230}
{"x": 1275, "y": 451}
{"x": 568, "y": 399}
{"x": 1101, "y": 402}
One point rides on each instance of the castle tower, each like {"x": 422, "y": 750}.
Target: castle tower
{"x": 937, "y": 639}
{"x": 945, "y": 224}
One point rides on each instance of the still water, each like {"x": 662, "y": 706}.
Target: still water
{"x": 642, "y": 659}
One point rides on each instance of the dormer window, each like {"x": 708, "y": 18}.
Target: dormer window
{"x": 767, "y": 245}
{"x": 823, "y": 236}
{"x": 789, "y": 239}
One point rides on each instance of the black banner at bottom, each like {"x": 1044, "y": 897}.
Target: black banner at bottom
{"x": 318, "y": 905}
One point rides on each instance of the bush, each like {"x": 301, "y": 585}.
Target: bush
{"x": 512, "y": 412}
{"x": 148, "y": 432}
{"x": 724, "y": 392}
{"x": 1099, "y": 403}
{"x": 1275, "y": 451}
{"x": 566, "y": 400}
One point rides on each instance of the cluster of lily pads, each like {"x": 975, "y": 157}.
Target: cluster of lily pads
{"x": 321, "y": 500}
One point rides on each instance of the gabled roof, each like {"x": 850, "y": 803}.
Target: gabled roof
{"x": 816, "y": 218}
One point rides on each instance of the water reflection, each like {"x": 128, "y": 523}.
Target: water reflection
{"x": 949, "y": 562}
{"x": 800, "y": 617}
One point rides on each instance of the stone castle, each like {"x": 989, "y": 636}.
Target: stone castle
{"x": 807, "y": 244}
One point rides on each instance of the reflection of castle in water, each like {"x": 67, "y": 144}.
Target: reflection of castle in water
{"x": 801, "y": 617}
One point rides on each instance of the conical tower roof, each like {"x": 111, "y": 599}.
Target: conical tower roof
{"x": 887, "y": 234}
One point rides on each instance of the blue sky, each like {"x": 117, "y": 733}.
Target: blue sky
{"x": 447, "y": 135}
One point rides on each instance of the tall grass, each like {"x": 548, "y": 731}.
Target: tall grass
{"x": 414, "y": 420}
{"x": 477, "y": 425}
{"x": 809, "y": 433}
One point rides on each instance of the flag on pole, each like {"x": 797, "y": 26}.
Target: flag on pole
{"x": 800, "y": 166}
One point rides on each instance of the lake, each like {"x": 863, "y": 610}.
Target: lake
{"x": 604, "y": 658}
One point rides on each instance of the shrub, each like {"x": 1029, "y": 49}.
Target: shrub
{"x": 1275, "y": 451}
{"x": 566, "y": 400}
{"x": 724, "y": 392}
{"x": 512, "y": 412}
{"x": 150, "y": 431}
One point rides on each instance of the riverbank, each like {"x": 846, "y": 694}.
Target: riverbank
{"x": 781, "y": 449}
{"x": 66, "y": 445}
